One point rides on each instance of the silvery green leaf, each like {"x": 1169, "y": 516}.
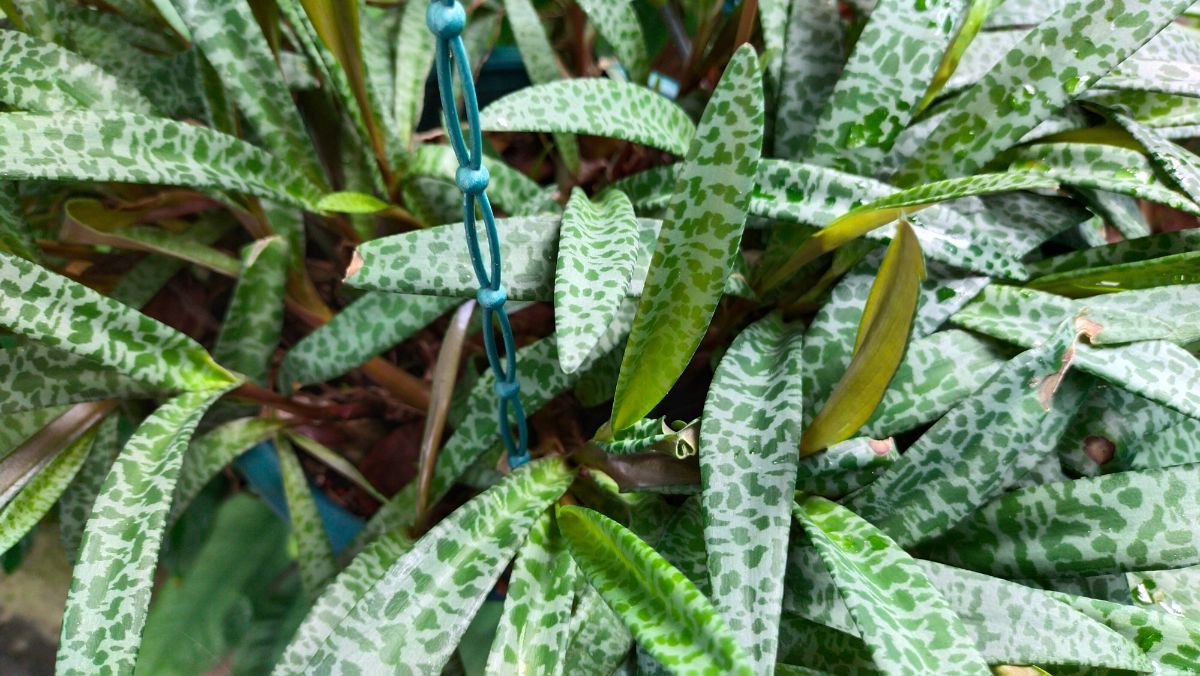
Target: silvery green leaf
{"x": 76, "y": 502}
{"x": 697, "y": 243}
{"x": 414, "y": 57}
{"x": 314, "y": 553}
{"x": 37, "y": 376}
{"x": 63, "y": 314}
{"x": 617, "y": 22}
{"x": 250, "y": 333}
{"x": 214, "y": 450}
{"x": 508, "y": 189}
{"x": 45, "y": 77}
{"x": 38, "y": 495}
{"x": 120, "y": 543}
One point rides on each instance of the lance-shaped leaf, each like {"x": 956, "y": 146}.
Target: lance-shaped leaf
{"x": 879, "y": 346}
{"x": 617, "y": 22}
{"x": 250, "y": 332}
{"x": 414, "y": 57}
{"x": 979, "y": 448}
{"x": 844, "y": 468}
{"x": 597, "y": 107}
{"x": 1103, "y": 167}
{"x": 1157, "y": 272}
{"x": 873, "y": 101}
{"x": 670, "y": 618}
{"x": 597, "y": 249}
{"x": 336, "y": 462}
{"x": 37, "y": 376}
{"x": 1169, "y": 641}
{"x": 38, "y": 495}
{"x": 937, "y": 372}
{"x": 120, "y": 544}
{"x": 1121, "y": 211}
{"x": 534, "y": 629}
{"x": 1052, "y": 65}
{"x": 1118, "y": 522}
{"x": 45, "y": 77}
{"x": 66, "y": 315}
{"x": 964, "y": 36}
{"x": 1181, "y": 165}
{"x": 748, "y": 436}
{"x": 138, "y": 149}
{"x": 414, "y": 614}
{"x": 89, "y": 221}
{"x": 903, "y": 619}
{"x": 1127, "y": 251}
{"x": 211, "y": 452}
{"x": 233, "y": 44}
{"x": 540, "y": 63}
{"x": 812, "y": 63}
{"x": 1168, "y": 447}
{"x": 866, "y": 218}
{"x": 697, "y": 243}
{"x": 315, "y": 554}
{"x": 75, "y": 504}
{"x": 374, "y": 323}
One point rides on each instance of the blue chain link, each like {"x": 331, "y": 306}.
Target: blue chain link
{"x": 446, "y": 19}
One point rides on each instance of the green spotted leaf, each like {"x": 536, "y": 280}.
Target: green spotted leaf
{"x": 138, "y": 149}
{"x": 315, "y": 556}
{"x": 599, "y": 641}
{"x": 1050, "y": 66}
{"x": 877, "y": 96}
{"x": 76, "y": 502}
{"x": 883, "y": 331}
{"x": 372, "y": 324}
{"x": 1169, "y": 641}
{"x": 748, "y": 437}
{"x": 617, "y": 22}
{"x": 812, "y": 64}
{"x": 670, "y": 618}
{"x": 1181, "y": 165}
{"x": 15, "y": 235}
{"x": 1114, "y": 523}
{"x": 978, "y": 449}
{"x": 66, "y": 315}
{"x": 38, "y": 495}
{"x": 414, "y": 614}
{"x": 254, "y": 318}
{"x": 534, "y": 629}
{"x": 508, "y": 189}
{"x": 212, "y": 451}
{"x": 37, "y": 376}
{"x": 698, "y": 241}
{"x": 120, "y": 543}
{"x": 597, "y": 107}
{"x": 597, "y": 248}
{"x": 541, "y": 64}
{"x": 1181, "y": 268}
{"x": 45, "y": 77}
{"x": 228, "y": 35}
{"x": 1117, "y": 253}
{"x": 903, "y": 619}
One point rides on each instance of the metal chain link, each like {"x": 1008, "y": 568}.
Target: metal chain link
{"x": 445, "y": 19}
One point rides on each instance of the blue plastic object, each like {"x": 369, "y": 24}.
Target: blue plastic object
{"x": 445, "y": 19}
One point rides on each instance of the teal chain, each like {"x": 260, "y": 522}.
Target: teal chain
{"x": 446, "y": 19}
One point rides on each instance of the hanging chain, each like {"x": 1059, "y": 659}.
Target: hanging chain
{"x": 446, "y": 19}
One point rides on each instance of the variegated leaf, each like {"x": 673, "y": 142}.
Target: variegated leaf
{"x": 120, "y": 543}
{"x": 977, "y": 449}
{"x": 670, "y": 618}
{"x": 76, "y": 502}
{"x": 315, "y": 555}
{"x": 812, "y": 63}
{"x": 37, "y": 376}
{"x": 1048, "y": 68}
{"x": 903, "y": 619}
{"x": 254, "y": 318}
{"x": 43, "y": 77}
{"x": 1113, "y": 523}
{"x": 413, "y": 615}
{"x": 748, "y": 436}
{"x": 534, "y": 629}
{"x": 594, "y": 106}
{"x": 697, "y": 243}
{"x": 38, "y": 495}
{"x": 138, "y": 149}
{"x": 597, "y": 249}
{"x": 214, "y": 450}
{"x": 617, "y": 22}
{"x": 414, "y": 58}
{"x": 63, "y": 314}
